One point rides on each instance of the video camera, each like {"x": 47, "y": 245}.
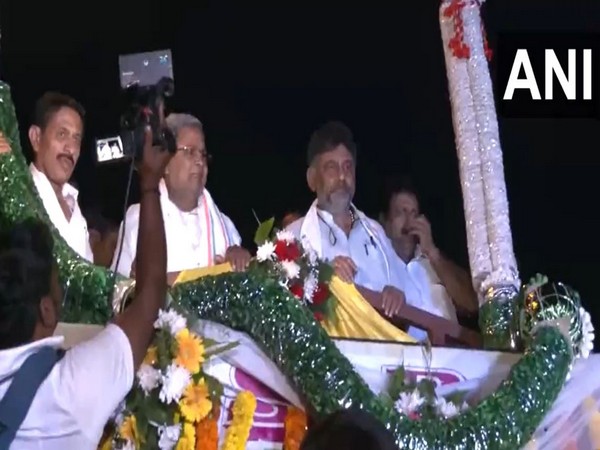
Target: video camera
{"x": 146, "y": 80}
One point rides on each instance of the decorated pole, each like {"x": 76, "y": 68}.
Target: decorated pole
{"x": 491, "y": 255}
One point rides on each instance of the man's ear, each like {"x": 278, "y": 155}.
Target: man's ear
{"x": 48, "y": 312}
{"x": 34, "y": 137}
{"x": 311, "y": 178}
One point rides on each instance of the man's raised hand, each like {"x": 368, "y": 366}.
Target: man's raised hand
{"x": 153, "y": 163}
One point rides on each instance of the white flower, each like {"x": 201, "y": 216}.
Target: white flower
{"x": 168, "y": 436}
{"x": 291, "y": 269}
{"x": 286, "y": 236}
{"x": 171, "y": 321}
{"x": 464, "y": 406}
{"x": 174, "y": 382}
{"x": 446, "y": 408}
{"x": 128, "y": 445}
{"x": 310, "y": 253}
{"x": 587, "y": 342}
{"x": 409, "y": 402}
{"x": 265, "y": 251}
{"x": 310, "y": 286}
{"x": 148, "y": 377}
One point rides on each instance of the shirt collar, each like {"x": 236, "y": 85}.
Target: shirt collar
{"x": 164, "y": 198}
{"x": 419, "y": 253}
{"x": 11, "y": 359}
{"x": 358, "y": 215}
{"x": 68, "y": 190}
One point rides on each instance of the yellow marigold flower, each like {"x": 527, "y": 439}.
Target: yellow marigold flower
{"x": 195, "y": 403}
{"x": 151, "y": 357}
{"x": 187, "y": 441}
{"x": 190, "y": 351}
{"x": 238, "y": 431}
{"x": 129, "y": 431}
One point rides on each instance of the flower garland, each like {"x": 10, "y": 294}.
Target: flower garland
{"x": 207, "y": 432}
{"x": 238, "y": 431}
{"x": 295, "y": 428}
{"x": 298, "y": 269}
{"x": 172, "y": 394}
{"x": 457, "y": 43}
{"x": 418, "y": 400}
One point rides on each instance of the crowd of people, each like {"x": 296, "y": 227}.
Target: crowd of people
{"x": 178, "y": 226}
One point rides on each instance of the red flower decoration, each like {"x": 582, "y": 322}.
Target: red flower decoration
{"x": 321, "y": 294}
{"x": 297, "y": 290}
{"x": 319, "y": 316}
{"x": 286, "y": 251}
{"x": 414, "y": 416}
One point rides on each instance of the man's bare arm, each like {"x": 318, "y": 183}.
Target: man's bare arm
{"x": 137, "y": 321}
{"x": 457, "y": 282}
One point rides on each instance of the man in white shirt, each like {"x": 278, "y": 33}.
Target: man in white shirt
{"x": 444, "y": 286}
{"x": 198, "y": 234}
{"x": 81, "y": 390}
{"x": 55, "y": 137}
{"x": 337, "y": 231}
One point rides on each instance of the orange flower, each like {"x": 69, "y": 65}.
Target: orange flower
{"x": 207, "y": 434}
{"x": 190, "y": 351}
{"x": 151, "y": 357}
{"x": 295, "y": 428}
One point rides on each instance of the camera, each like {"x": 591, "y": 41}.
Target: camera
{"x": 147, "y": 81}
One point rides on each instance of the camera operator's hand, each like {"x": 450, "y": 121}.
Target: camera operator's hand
{"x": 152, "y": 166}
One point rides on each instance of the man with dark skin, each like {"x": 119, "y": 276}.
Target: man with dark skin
{"x": 410, "y": 233}
{"x": 85, "y": 386}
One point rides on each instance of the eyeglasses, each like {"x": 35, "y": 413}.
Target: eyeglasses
{"x": 195, "y": 153}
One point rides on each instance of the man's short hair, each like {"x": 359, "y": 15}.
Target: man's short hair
{"x": 351, "y": 429}
{"x": 395, "y": 186}
{"x": 328, "y": 137}
{"x": 26, "y": 264}
{"x": 49, "y": 103}
{"x": 177, "y": 121}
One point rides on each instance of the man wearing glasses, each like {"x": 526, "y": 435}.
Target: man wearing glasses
{"x": 198, "y": 234}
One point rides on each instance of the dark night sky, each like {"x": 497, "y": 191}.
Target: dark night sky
{"x": 261, "y": 79}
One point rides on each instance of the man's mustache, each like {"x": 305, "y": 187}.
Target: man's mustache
{"x": 341, "y": 187}
{"x": 66, "y": 155}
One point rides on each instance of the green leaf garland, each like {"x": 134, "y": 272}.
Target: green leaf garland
{"x": 287, "y": 332}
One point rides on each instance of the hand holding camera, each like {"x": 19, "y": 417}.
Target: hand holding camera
{"x": 151, "y": 167}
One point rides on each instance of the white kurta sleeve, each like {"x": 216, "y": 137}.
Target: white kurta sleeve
{"x": 129, "y": 250}
{"x": 232, "y": 231}
{"x": 94, "y": 377}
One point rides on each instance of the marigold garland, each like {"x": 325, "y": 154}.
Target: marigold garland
{"x": 187, "y": 441}
{"x": 207, "y": 433}
{"x": 238, "y": 431}
{"x": 295, "y": 428}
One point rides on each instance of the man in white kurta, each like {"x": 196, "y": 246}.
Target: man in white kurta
{"x": 198, "y": 233}
{"x": 55, "y": 137}
{"x": 444, "y": 286}
{"x": 337, "y": 231}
